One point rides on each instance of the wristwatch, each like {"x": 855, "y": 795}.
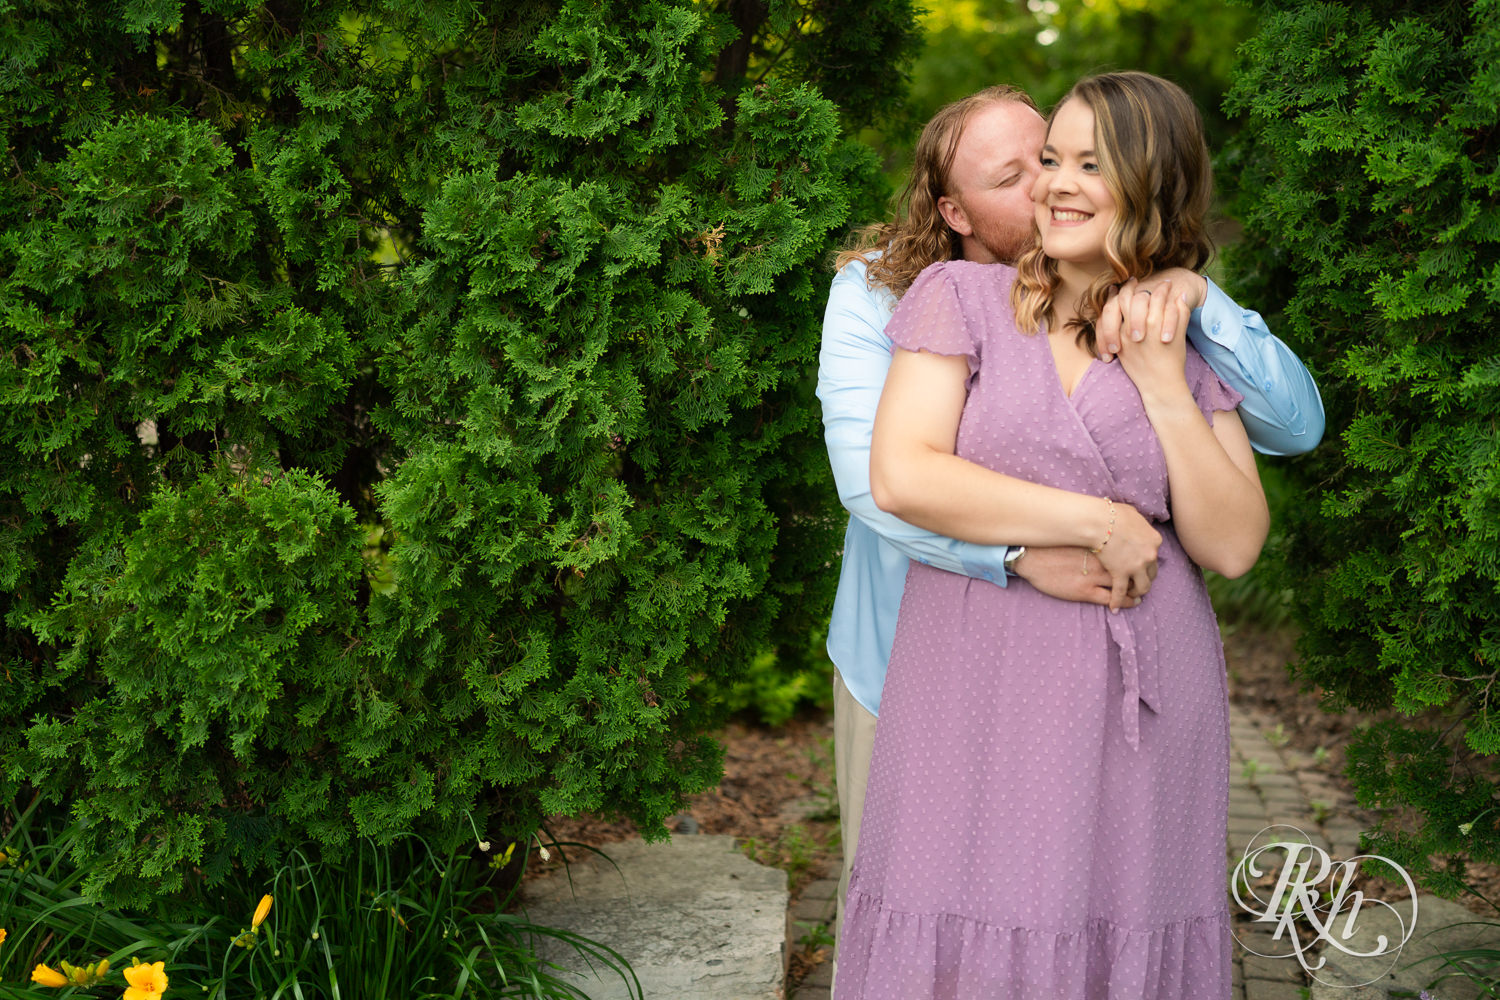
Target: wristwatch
{"x": 1012, "y": 557}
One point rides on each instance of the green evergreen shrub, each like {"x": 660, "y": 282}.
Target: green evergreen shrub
{"x": 528, "y": 292}
{"x": 1368, "y": 182}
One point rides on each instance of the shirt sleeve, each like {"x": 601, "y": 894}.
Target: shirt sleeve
{"x": 1282, "y": 410}
{"x": 852, "y": 366}
{"x": 931, "y": 318}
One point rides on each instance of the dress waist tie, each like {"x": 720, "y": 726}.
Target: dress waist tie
{"x": 1139, "y": 666}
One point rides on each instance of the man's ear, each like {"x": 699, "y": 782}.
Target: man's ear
{"x": 953, "y": 214}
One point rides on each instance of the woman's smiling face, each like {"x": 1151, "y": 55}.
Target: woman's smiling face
{"x": 1074, "y": 207}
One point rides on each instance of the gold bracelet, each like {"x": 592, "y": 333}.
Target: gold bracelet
{"x": 1108, "y": 534}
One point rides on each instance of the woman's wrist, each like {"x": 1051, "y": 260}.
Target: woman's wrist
{"x": 1165, "y": 400}
{"x": 1096, "y": 520}
{"x": 1109, "y": 529}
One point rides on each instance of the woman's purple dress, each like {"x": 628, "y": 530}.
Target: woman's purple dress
{"x": 1047, "y": 804}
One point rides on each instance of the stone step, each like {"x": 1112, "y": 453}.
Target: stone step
{"x": 1440, "y": 926}
{"x": 696, "y": 919}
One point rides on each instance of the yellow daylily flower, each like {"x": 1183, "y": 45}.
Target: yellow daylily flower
{"x": 44, "y": 975}
{"x": 2, "y": 935}
{"x": 147, "y": 982}
{"x": 262, "y": 910}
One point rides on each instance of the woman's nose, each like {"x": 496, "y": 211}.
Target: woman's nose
{"x": 1048, "y": 183}
{"x": 1064, "y": 180}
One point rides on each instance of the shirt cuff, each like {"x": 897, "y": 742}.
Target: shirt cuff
{"x": 1219, "y": 318}
{"x": 987, "y": 569}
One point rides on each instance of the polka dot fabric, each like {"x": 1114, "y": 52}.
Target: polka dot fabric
{"x": 1049, "y": 791}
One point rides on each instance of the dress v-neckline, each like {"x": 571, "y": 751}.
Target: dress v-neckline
{"x": 1057, "y": 378}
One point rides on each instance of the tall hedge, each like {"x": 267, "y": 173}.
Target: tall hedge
{"x": 1369, "y": 180}
{"x": 407, "y": 405}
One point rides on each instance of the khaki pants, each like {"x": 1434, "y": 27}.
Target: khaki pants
{"x": 853, "y": 742}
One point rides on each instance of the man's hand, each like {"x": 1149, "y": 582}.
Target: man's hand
{"x": 1138, "y": 309}
{"x": 1058, "y": 572}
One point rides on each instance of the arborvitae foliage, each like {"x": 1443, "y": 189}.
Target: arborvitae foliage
{"x": 407, "y": 405}
{"x": 1371, "y": 195}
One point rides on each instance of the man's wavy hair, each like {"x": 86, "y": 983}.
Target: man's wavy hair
{"x": 1148, "y": 139}
{"x": 918, "y": 236}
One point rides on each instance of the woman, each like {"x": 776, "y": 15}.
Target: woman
{"x": 1048, "y": 796}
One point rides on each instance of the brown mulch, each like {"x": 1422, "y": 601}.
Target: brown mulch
{"x": 776, "y": 796}
{"x": 1258, "y": 680}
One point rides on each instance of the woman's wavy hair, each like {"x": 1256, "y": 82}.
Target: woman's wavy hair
{"x": 1148, "y": 138}
{"x": 919, "y": 236}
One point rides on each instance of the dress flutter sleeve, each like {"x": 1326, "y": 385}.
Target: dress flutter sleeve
{"x": 1211, "y": 392}
{"x": 930, "y": 317}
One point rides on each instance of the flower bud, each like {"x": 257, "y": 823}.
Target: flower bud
{"x": 262, "y": 909}
{"x": 44, "y": 975}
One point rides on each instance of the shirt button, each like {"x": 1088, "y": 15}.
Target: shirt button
{"x": 1217, "y": 325}
{"x": 1269, "y": 385}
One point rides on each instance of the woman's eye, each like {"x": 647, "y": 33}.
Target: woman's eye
{"x": 1091, "y": 168}
{"x": 1048, "y": 161}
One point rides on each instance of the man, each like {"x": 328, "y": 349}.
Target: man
{"x": 969, "y": 196}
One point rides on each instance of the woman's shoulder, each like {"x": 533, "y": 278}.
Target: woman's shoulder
{"x": 969, "y": 278}
{"x": 1195, "y": 366}
{"x": 1207, "y": 386}
{"x": 971, "y": 272}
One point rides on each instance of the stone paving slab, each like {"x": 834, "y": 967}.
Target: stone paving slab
{"x": 696, "y": 919}
{"x": 1440, "y": 926}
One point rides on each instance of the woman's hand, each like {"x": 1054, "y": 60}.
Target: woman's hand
{"x": 1218, "y": 507}
{"x": 1135, "y": 310}
{"x": 1157, "y": 364}
{"x": 1129, "y": 556}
